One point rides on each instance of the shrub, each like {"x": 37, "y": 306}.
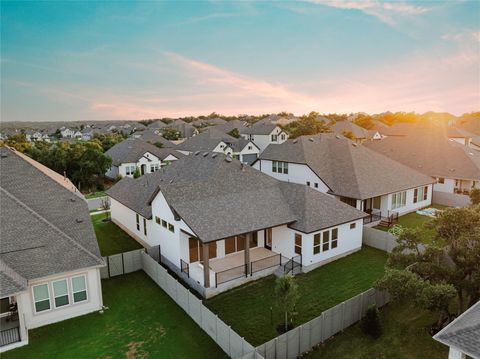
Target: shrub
{"x": 371, "y": 323}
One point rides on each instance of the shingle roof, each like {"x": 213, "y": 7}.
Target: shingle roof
{"x": 218, "y": 198}
{"x": 46, "y": 228}
{"x": 464, "y": 332}
{"x": 131, "y": 150}
{"x": 150, "y": 136}
{"x": 349, "y": 170}
{"x": 260, "y": 128}
{"x": 433, "y": 154}
{"x": 209, "y": 139}
{"x": 347, "y": 126}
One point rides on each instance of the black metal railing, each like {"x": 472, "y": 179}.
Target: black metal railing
{"x": 230, "y": 274}
{"x": 373, "y": 216}
{"x": 274, "y": 260}
{"x": 185, "y": 267}
{"x": 9, "y": 336}
{"x": 294, "y": 262}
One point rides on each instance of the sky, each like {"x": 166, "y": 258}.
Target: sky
{"x": 65, "y": 61}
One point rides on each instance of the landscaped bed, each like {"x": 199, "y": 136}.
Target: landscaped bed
{"x": 405, "y": 335}
{"x": 251, "y": 309}
{"x": 142, "y": 321}
{"x": 111, "y": 238}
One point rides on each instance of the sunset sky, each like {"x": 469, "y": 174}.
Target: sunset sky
{"x": 67, "y": 61}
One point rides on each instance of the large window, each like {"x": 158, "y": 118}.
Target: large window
{"x": 399, "y": 199}
{"x": 316, "y": 243}
{"x": 325, "y": 241}
{"x": 425, "y": 193}
{"x": 298, "y": 243}
{"x": 60, "y": 293}
{"x": 130, "y": 170}
{"x": 41, "y": 297}
{"x": 280, "y": 167}
{"x": 334, "y": 243}
{"x": 274, "y": 138}
{"x": 440, "y": 180}
{"x": 79, "y": 289}
{"x": 420, "y": 194}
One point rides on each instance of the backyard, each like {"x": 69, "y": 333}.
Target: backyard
{"x": 251, "y": 309}
{"x": 405, "y": 335}
{"x": 142, "y": 321}
{"x": 111, "y": 238}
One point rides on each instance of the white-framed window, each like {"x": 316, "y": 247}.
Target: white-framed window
{"x": 325, "y": 241}
{"x": 41, "y": 297}
{"x": 316, "y": 243}
{"x": 60, "y": 293}
{"x": 145, "y": 226}
{"x": 158, "y": 220}
{"x": 137, "y": 217}
{"x": 274, "y": 138}
{"x": 282, "y": 136}
{"x": 420, "y": 194}
{"x": 353, "y": 225}
{"x": 440, "y": 180}
{"x": 154, "y": 168}
{"x": 79, "y": 289}
{"x": 164, "y": 223}
{"x": 298, "y": 243}
{"x": 274, "y": 166}
{"x": 171, "y": 228}
{"x": 399, "y": 199}
{"x": 334, "y": 242}
{"x": 130, "y": 170}
{"x": 316, "y": 184}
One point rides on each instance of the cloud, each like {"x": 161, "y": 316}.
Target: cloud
{"x": 384, "y": 11}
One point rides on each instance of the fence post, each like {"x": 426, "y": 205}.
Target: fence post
{"x": 343, "y": 315}
{"x": 123, "y": 264}
{"x": 108, "y": 266}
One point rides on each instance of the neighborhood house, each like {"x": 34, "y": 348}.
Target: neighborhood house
{"x": 263, "y": 134}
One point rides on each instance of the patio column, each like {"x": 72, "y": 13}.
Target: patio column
{"x": 206, "y": 266}
{"x": 247, "y": 253}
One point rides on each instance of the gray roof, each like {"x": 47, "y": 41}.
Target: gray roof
{"x": 131, "y": 150}
{"x": 219, "y": 197}
{"x": 230, "y": 125}
{"x": 157, "y": 124}
{"x": 150, "y": 136}
{"x": 46, "y": 228}
{"x": 209, "y": 139}
{"x": 464, "y": 332}
{"x": 260, "y": 128}
{"x": 434, "y": 155}
{"x": 349, "y": 170}
{"x": 347, "y": 126}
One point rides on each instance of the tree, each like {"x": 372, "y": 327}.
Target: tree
{"x": 348, "y": 134}
{"x": 286, "y": 293}
{"x": 105, "y": 206}
{"x": 234, "y": 133}
{"x": 170, "y": 134}
{"x": 306, "y": 125}
{"x": 19, "y": 142}
{"x": 365, "y": 121}
{"x": 475, "y": 196}
{"x": 136, "y": 174}
{"x": 371, "y": 323}
{"x": 108, "y": 140}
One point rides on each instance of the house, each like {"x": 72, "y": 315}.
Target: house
{"x": 463, "y": 335}
{"x": 350, "y": 172}
{"x": 219, "y": 223}
{"x": 264, "y": 134}
{"x": 67, "y": 133}
{"x": 455, "y": 167}
{"x": 49, "y": 258}
{"x": 231, "y": 125}
{"x": 350, "y": 130}
{"x": 213, "y": 140}
{"x": 157, "y": 124}
{"x": 185, "y": 129}
{"x": 152, "y": 136}
{"x": 131, "y": 154}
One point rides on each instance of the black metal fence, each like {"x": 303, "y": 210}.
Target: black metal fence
{"x": 373, "y": 216}
{"x": 9, "y": 336}
{"x": 274, "y": 260}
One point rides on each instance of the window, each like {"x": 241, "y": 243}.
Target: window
{"x": 283, "y": 136}
{"x": 138, "y": 221}
{"x": 316, "y": 185}
{"x": 274, "y": 166}
{"x": 79, "y": 289}
{"x": 325, "y": 240}
{"x": 353, "y": 225}
{"x": 334, "y": 238}
{"x": 130, "y": 170}
{"x": 154, "y": 167}
{"x": 425, "y": 193}
{"x": 285, "y": 167}
{"x": 171, "y": 228}
{"x": 250, "y": 147}
{"x": 60, "y": 293}
{"x": 308, "y": 183}
{"x": 420, "y": 194}
{"x": 41, "y": 297}
{"x": 280, "y": 167}
{"x": 316, "y": 243}
{"x": 145, "y": 226}
{"x": 158, "y": 220}
{"x": 441, "y": 180}
{"x": 274, "y": 138}
{"x": 399, "y": 199}
{"x": 298, "y": 243}
{"x": 415, "y": 195}
{"x": 164, "y": 223}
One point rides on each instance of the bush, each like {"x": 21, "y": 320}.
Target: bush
{"x": 371, "y": 323}
{"x": 136, "y": 174}
{"x": 475, "y": 196}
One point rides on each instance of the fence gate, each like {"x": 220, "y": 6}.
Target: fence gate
{"x": 115, "y": 265}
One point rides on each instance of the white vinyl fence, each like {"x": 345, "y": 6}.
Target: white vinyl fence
{"x": 231, "y": 343}
{"x": 122, "y": 263}
{"x": 304, "y": 337}
{"x": 450, "y": 199}
{"x": 379, "y": 239}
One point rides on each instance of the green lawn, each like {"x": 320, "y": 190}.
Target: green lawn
{"x": 95, "y": 195}
{"x": 111, "y": 238}
{"x": 142, "y": 322}
{"x": 405, "y": 336}
{"x": 251, "y": 309}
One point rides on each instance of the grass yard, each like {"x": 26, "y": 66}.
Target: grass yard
{"x": 251, "y": 309}
{"x": 111, "y": 238}
{"x": 405, "y": 336}
{"x": 414, "y": 220}
{"x": 95, "y": 195}
{"x": 142, "y": 322}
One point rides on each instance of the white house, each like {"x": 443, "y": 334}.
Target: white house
{"x": 264, "y": 134}
{"x": 49, "y": 259}
{"x": 219, "y": 223}
{"x": 214, "y": 140}
{"x": 350, "y": 172}
{"x": 462, "y": 336}
{"x": 67, "y": 133}
{"x": 131, "y": 154}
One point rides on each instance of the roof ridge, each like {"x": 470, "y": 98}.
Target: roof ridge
{"x": 31, "y": 210}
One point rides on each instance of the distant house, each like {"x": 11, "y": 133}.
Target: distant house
{"x": 350, "y": 172}
{"x": 67, "y": 133}
{"x": 455, "y": 167}
{"x": 347, "y": 128}
{"x": 152, "y": 136}
{"x": 49, "y": 258}
{"x": 185, "y": 129}
{"x": 220, "y": 223}
{"x": 157, "y": 124}
{"x": 264, "y": 134}
{"x": 131, "y": 154}
{"x": 230, "y": 126}
{"x": 463, "y": 335}
{"x": 213, "y": 140}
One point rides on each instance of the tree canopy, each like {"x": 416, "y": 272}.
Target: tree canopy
{"x": 306, "y": 125}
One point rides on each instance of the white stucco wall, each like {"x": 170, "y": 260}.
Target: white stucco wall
{"x": 410, "y": 206}
{"x": 93, "y": 303}
{"x": 262, "y": 141}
